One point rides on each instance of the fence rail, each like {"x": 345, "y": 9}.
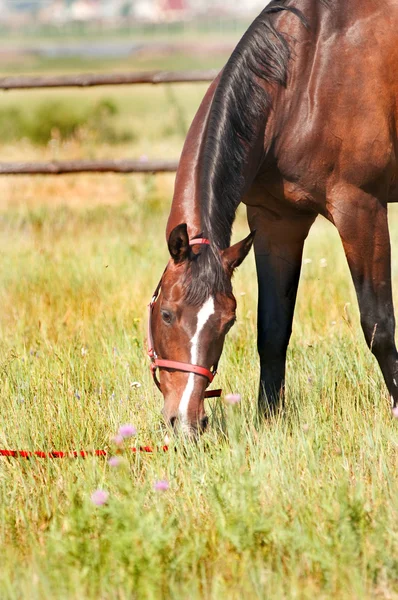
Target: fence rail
{"x": 88, "y": 166}
{"x": 90, "y": 80}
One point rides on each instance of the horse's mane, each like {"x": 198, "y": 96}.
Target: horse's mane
{"x": 240, "y": 107}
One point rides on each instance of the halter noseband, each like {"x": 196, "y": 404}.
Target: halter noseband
{"x": 159, "y": 363}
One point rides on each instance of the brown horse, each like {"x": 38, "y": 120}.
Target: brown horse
{"x": 302, "y": 121}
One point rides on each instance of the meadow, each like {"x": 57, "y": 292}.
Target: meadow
{"x": 303, "y": 506}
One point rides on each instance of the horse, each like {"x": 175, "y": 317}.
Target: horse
{"x": 301, "y": 122}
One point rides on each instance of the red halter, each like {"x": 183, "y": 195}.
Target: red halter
{"x": 159, "y": 363}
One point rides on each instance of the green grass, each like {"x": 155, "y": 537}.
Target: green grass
{"x": 147, "y": 120}
{"x": 301, "y": 507}
{"x": 153, "y": 60}
{"x": 305, "y": 506}
{"x": 63, "y": 121}
{"x": 209, "y": 30}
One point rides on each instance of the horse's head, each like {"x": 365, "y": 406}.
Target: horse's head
{"x": 191, "y": 312}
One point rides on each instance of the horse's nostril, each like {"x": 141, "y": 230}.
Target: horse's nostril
{"x": 173, "y": 421}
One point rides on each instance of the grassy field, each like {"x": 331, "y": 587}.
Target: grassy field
{"x": 305, "y": 506}
{"x": 211, "y": 29}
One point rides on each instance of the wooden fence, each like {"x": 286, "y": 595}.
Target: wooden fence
{"x": 89, "y": 80}
{"x": 64, "y": 167}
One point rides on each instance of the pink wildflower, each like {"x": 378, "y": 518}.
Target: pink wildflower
{"x": 127, "y": 431}
{"x": 118, "y": 440}
{"x": 161, "y": 486}
{"x": 99, "y": 497}
{"x": 233, "y": 398}
{"x": 395, "y": 412}
{"x": 114, "y": 461}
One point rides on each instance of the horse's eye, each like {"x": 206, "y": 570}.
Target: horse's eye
{"x": 166, "y": 316}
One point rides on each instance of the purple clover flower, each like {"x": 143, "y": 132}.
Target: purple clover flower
{"x": 99, "y": 497}
{"x": 127, "y": 431}
{"x": 233, "y": 399}
{"x": 161, "y": 485}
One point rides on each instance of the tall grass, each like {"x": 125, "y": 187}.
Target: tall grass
{"x": 56, "y": 120}
{"x": 304, "y": 506}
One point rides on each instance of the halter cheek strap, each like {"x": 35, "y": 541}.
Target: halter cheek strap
{"x": 173, "y": 365}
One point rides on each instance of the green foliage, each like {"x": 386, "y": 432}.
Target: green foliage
{"x": 54, "y": 119}
{"x": 101, "y": 123}
{"x": 12, "y": 124}
{"x": 62, "y": 120}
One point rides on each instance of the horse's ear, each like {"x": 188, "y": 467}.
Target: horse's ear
{"x": 233, "y": 256}
{"x": 179, "y": 243}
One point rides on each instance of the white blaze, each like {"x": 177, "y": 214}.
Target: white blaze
{"x": 203, "y": 316}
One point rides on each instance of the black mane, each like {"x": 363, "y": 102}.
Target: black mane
{"x": 238, "y": 113}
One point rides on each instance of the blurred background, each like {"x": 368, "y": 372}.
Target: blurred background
{"x": 117, "y": 28}
{"x": 118, "y": 13}
{"x": 48, "y": 37}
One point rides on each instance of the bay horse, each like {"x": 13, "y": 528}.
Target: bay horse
{"x": 302, "y": 121}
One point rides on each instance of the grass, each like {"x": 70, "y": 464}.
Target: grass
{"x": 150, "y": 121}
{"x": 212, "y": 29}
{"x": 304, "y": 506}
{"x": 58, "y": 121}
{"x": 207, "y": 54}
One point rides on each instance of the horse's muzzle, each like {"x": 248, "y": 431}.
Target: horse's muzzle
{"x": 191, "y": 429}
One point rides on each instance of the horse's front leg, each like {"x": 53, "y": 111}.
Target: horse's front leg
{"x": 361, "y": 220}
{"x": 278, "y": 248}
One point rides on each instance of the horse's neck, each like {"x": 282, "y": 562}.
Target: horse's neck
{"x": 185, "y": 207}
{"x": 189, "y": 194}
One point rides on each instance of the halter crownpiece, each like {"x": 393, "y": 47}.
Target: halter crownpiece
{"x": 200, "y": 241}
{"x": 159, "y": 363}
